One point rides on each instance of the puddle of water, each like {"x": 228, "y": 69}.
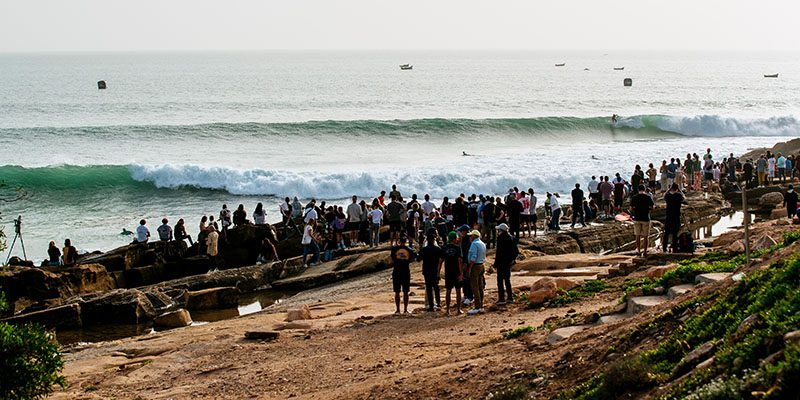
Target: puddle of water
{"x": 249, "y": 303}
{"x": 709, "y": 230}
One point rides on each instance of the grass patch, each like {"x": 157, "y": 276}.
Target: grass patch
{"x": 518, "y": 332}
{"x": 587, "y": 289}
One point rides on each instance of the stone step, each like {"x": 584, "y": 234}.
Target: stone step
{"x": 678, "y": 290}
{"x": 569, "y": 272}
{"x": 642, "y": 303}
{"x": 564, "y": 333}
{"x": 711, "y": 277}
{"x": 612, "y": 318}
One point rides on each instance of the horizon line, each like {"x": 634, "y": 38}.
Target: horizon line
{"x": 306, "y": 50}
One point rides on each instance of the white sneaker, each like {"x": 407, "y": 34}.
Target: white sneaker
{"x": 467, "y": 302}
{"x": 473, "y": 311}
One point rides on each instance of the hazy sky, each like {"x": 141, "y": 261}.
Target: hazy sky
{"x": 100, "y": 25}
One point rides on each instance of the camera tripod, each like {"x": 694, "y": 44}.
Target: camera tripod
{"x": 17, "y": 234}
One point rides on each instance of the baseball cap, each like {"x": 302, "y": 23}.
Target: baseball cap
{"x": 464, "y": 227}
{"x": 502, "y": 227}
{"x": 451, "y": 237}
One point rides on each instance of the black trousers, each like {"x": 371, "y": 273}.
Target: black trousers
{"x": 504, "y": 284}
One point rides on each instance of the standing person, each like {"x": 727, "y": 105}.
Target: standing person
{"x": 464, "y": 242}
{"x": 688, "y": 167}
{"x": 69, "y": 253}
{"x": 641, "y": 205}
{"x": 637, "y": 178}
{"x": 395, "y": 210}
{"x": 375, "y": 219}
{"x": 651, "y": 178}
{"x": 212, "y": 248}
{"x": 164, "y": 231}
{"x": 472, "y": 211}
{"x": 432, "y": 258}
{"x": 382, "y": 199}
{"x": 363, "y": 225}
{"x": 427, "y": 208}
{"x": 592, "y": 188}
{"x": 671, "y": 169}
{"x": 259, "y": 215}
{"x": 515, "y": 208}
{"x": 225, "y": 218}
{"x": 781, "y": 164}
{"x": 287, "y": 216}
{"x": 577, "y": 205}
{"x": 761, "y": 170}
{"x": 526, "y": 213}
{"x": 505, "y": 257}
{"x": 790, "y": 202}
{"x": 555, "y": 211}
{"x": 142, "y": 233}
{"x": 771, "y": 168}
{"x": 354, "y": 214}
{"x": 697, "y": 167}
{"x": 672, "y": 224}
{"x": 453, "y": 271}
{"x": 619, "y": 193}
{"x": 476, "y": 258}
{"x": 310, "y": 244}
{"x": 412, "y": 224}
{"x": 395, "y": 194}
{"x": 180, "y": 232}
{"x": 460, "y": 211}
{"x": 534, "y": 216}
{"x": 54, "y": 255}
{"x": 606, "y": 191}
{"x": 489, "y": 221}
{"x": 401, "y": 256}
{"x": 201, "y": 236}
{"x": 732, "y": 161}
{"x": 747, "y": 173}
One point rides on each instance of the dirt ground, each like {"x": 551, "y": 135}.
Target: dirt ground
{"x": 353, "y": 348}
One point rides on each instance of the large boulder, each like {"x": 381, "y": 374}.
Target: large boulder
{"x": 542, "y": 290}
{"x": 120, "y": 306}
{"x": 53, "y": 283}
{"x": 61, "y": 317}
{"x": 174, "y": 319}
{"x": 213, "y": 298}
{"x": 770, "y": 200}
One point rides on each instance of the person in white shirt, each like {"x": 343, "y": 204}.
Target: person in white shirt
{"x": 427, "y": 207}
{"x": 310, "y": 214}
{"x": 555, "y": 210}
{"x": 592, "y": 187}
{"x": 142, "y": 233}
{"x": 309, "y": 243}
{"x": 375, "y": 218}
{"x": 354, "y": 214}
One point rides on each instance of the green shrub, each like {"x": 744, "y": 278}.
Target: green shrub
{"x": 30, "y": 362}
{"x": 510, "y": 393}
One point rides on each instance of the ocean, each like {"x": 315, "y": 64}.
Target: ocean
{"x": 176, "y": 135}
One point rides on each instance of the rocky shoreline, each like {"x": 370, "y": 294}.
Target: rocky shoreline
{"x": 135, "y": 284}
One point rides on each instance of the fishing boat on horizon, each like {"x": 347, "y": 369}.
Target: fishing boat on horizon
{"x": 619, "y": 68}
{"x": 406, "y": 66}
{"x": 770, "y": 75}
{"x": 561, "y": 65}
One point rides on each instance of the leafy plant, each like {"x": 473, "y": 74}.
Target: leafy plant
{"x": 30, "y": 362}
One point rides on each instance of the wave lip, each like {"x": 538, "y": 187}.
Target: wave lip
{"x": 641, "y": 125}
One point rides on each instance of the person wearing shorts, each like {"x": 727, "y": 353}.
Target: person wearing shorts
{"x": 641, "y": 206}
{"x": 402, "y": 256}
{"x": 453, "y": 270}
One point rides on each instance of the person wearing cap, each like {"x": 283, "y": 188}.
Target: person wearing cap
{"x": 790, "y": 202}
{"x": 452, "y": 258}
{"x": 432, "y": 258}
{"x": 505, "y": 256}
{"x": 464, "y": 241}
{"x": 401, "y": 257}
{"x": 476, "y": 258}
{"x": 212, "y": 249}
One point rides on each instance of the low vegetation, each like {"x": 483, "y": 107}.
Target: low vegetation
{"x": 30, "y": 363}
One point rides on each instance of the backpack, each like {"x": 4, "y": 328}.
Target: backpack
{"x": 685, "y": 243}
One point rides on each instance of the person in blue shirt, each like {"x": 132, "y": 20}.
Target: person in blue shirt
{"x": 476, "y": 258}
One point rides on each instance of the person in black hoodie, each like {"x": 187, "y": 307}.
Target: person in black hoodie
{"x": 432, "y": 257}
{"x": 505, "y": 257}
{"x": 514, "y": 208}
{"x": 790, "y": 201}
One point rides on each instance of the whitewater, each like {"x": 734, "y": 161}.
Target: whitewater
{"x": 176, "y": 136}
